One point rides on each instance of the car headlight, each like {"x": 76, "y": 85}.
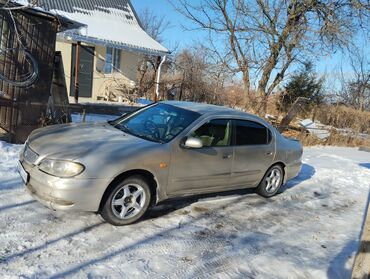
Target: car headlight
{"x": 61, "y": 168}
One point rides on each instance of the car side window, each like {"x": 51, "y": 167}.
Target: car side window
{"x": 251, "y": 133}
{"x": 216, "y": 132}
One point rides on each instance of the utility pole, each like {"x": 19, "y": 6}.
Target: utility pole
{"x": 158, "y": 62}
{"x": 77, "y": 72}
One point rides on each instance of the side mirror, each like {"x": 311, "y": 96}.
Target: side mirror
{"x": 191, "y": 142}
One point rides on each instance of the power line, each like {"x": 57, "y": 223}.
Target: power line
{"x": 31, "y": 77}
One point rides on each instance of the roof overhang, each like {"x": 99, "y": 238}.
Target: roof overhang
{"x": 75, "y": 37}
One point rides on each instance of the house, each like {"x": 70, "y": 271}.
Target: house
{"x": 108, "y": 47}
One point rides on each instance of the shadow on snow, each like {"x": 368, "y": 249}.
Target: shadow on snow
{"x": 306, "y": 173}
{"x": 365, "y": 165}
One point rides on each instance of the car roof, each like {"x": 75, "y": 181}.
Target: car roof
{"x": 206, "y": 109}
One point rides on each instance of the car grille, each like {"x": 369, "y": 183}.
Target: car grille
{"x": 29, "y": 155}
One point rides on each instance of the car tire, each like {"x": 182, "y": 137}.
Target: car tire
{"x": 127, "y": 201}
{"x": 271, "y": 182}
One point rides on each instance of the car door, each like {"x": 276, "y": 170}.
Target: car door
{"x": 254, "y": 150}
{"x": 205, "y": 169}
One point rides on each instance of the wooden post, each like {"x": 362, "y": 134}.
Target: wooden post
{"x": 84, "y": 116}
{"x": 77, "y": 72}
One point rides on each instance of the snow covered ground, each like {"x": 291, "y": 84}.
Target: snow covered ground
{"x": 310, "y": 230}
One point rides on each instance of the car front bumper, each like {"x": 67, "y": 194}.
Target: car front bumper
{"x": 68, "y": 194}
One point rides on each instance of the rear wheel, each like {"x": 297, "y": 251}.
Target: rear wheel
{"x": 127, "y": 201}
{"x": 271, "y": 182}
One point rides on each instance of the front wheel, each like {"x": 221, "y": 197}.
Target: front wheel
{"x": 127, "y": 201}
{"x": 271, "y": 182}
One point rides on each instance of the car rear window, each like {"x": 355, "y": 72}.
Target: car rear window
{"x": 251, "y": 133}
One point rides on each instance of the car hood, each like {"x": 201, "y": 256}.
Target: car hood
{"x": 71, "y": 141}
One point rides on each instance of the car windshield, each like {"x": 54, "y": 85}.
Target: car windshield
{"x": 159, "y": 122}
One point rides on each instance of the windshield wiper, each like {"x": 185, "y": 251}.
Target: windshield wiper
{"x": 123, "y": 128}
{"x": 127, "y": 130}
{"x": 143, "y": 136}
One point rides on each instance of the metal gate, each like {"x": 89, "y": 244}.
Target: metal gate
{"x": 27, "y": 49}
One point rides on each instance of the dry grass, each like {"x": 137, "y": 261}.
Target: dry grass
{"x": 335, "y": 139}
{"x": 344, "y": 117}
{"x": 337, "y": 116}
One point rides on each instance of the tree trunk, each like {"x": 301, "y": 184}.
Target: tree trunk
{"x": 181, "y": 90}
{"x": 263, "y": 107}
{"x": 295, "y": 109}
{"x": 262, "y": 102}
{"x": 246, "y": 89}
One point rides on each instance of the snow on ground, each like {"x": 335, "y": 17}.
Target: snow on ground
{"x": 310, "y": 230}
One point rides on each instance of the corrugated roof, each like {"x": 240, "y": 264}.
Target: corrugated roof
{"x": 112, "y": 23}
{"x": 69, "y": 5}
{"x": 65, "y": 23}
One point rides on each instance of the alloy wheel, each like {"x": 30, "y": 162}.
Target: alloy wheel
{"x": 273, "y": 180}
{"x": 128, "y": 201}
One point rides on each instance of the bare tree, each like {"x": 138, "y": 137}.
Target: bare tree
{"x": 148, "y": 65}
{"x": 262, "y": 39}
{"x": 153, "y": 24}
{"x": 196, "y": 79}
{"x": 356, "y": 90}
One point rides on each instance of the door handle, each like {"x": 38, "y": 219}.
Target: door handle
{"x": 269, "y": 153}
{"x": 226, "y": 156}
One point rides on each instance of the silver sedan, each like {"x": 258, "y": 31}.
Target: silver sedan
{"x": 168, "y": 149}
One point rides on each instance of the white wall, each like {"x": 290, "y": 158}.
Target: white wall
{"x": 101, "y": 81}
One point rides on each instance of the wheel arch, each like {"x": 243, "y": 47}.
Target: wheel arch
{"x": 282, "y": 165}
{"x": 147, "y": 175}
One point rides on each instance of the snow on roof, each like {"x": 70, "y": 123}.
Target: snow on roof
{"x": 112, "y": 23}
{"x": 65, "y": 23}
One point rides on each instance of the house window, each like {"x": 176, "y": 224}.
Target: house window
{"x": 116, "y": 60}
{"x": 108, "y": 61}
{"x": 112, "y": 60}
